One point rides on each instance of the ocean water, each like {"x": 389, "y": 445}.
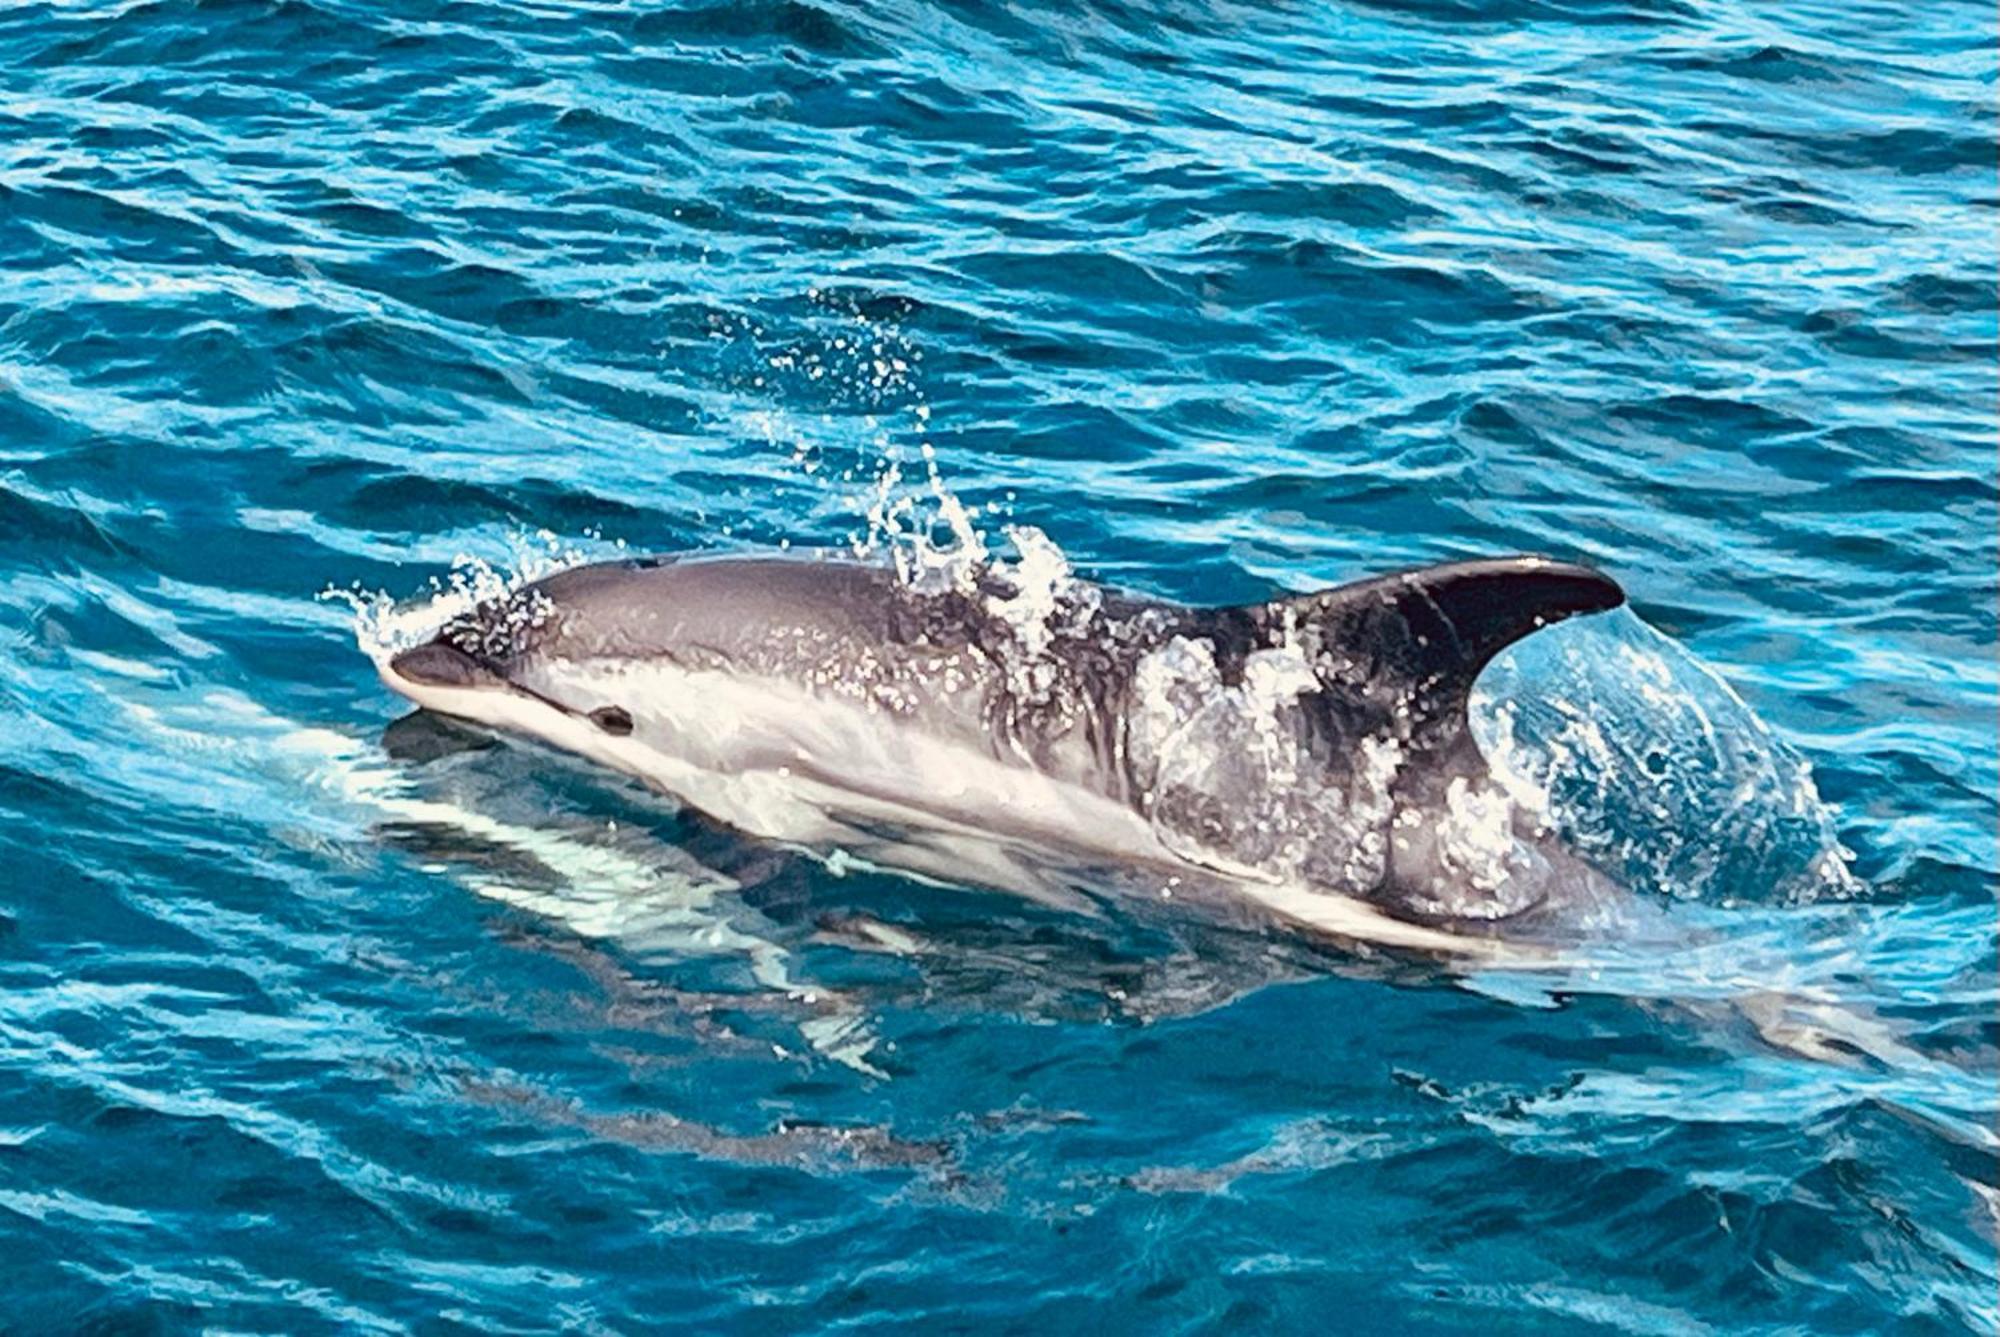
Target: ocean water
{"x": 317, "y": 1019}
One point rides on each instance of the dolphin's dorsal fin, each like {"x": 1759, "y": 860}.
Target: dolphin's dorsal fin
{"x": 1421, "y": 637}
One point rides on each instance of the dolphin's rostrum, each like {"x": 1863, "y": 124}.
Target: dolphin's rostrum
{"x": 1314, "y": 749}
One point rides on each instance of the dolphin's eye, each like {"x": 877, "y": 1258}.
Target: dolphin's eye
{"x": 612, "y": 719}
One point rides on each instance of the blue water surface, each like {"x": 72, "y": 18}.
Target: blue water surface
{"x": 311, "y": 1021}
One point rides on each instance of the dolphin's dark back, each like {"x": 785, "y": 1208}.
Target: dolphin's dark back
{"x": 1401, "y": 652}
{"x": 1443, "y": 624}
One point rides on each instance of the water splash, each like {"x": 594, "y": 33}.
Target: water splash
{"x": 1644, "y": 759}
{"x": 908, "y": 515}
{"x": 1198, "y": 745}
{"x": 385, "y": 625}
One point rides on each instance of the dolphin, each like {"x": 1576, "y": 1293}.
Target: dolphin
{"x": 1306, "y": 758}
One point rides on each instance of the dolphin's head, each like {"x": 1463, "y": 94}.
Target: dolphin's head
{"x": 649, "y": 653}
{"x": 443, "y": 676}
{"x": 521, "y": 662}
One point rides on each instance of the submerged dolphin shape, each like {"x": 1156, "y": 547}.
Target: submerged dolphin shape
{"x": 1311, "y": 752}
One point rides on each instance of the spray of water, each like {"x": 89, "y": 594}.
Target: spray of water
{"x": 385, "y": 625}
{"x": 1645, "y": 759}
